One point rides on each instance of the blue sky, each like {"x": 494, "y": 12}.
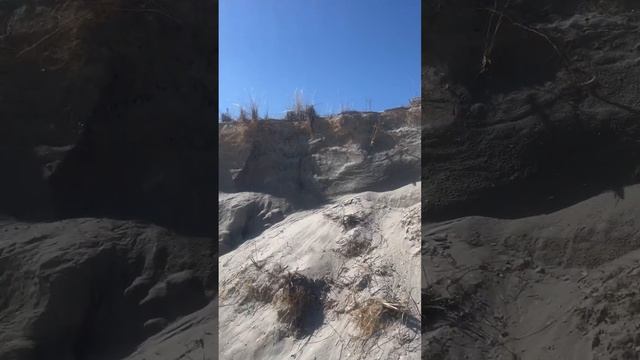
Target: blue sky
{"x": 357, "y": 54}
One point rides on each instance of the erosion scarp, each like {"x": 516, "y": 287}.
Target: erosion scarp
{"x": 107, "y": 113}
{"x": 323, "y": 219}
{"x": 530, "y": 156}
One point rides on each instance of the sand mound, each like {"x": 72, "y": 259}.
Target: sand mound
{"x": 341, "y": 280}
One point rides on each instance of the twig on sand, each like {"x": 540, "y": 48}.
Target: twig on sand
{"x": 490, "y": 39}
{"x": 253, "y": 261}
{"x": 302, "y": 346}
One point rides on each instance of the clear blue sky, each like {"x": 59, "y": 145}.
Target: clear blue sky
{"x": 337, "y": 52}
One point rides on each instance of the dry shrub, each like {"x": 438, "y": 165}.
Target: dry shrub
{"x": 375, "y": 315}
{"x": 301, "y": 111}
{"x": 263, "y": 285}
{"x": 296, "y": 294}
{"x": 301, "y": 298}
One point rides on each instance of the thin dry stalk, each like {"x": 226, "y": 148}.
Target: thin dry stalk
{"x": 490, "y": 41}
{"x": 298, "y": 106}
{"x": 253, "y": 108}
{"x": 243, "y": 115}
{"x": 560, "y": 54}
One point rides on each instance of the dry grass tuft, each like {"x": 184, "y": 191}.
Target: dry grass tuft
{"x": 299, "y": 105}
{"x": 296, "y": 295}
{"x": 254, "y": 292}
{"x": 375, "y": 315}
{"x": 300, "y": 297}
{"x": 261, "y": 284}
{"x": 253, "y": 108}
{"x": 300, "y": 110}
{"x": 243, "y": 115}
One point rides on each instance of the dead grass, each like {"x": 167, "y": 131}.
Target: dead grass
{"x": 243, "y": 115}
{"x": 375, "y": 315}
{"x": 298, "y": 105}
{"x": 254, "y": 292}
{"x": 262, "y": 284}
{"x": 301, "y": 111}
{"x": 251, "y": 115}
{"x": 301, "y": 297}
{"x": 296, "y": 295}
{"x": 253, "y": 108}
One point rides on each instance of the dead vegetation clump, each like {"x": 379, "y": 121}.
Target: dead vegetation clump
{"x": 251, "y": 116}
{"x": 349, "y": 221}
{"x": 258, "y": 285}
{"x": 375, "y": 315}
{"x": 357, "y": 240}
{"x": 302, "y": 112}
{"x": 301, "y": 302}
{"x": 354, "y": 243}
{"x": 257, "y": 292}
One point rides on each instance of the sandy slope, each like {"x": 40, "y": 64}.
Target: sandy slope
{"x": 354, "y": 248}
{"x": 98, "y": 288}
{"x": 556, "y": 286}
{"x": 194, "y": 335}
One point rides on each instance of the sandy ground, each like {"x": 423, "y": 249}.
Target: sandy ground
{"x": 194, "y": 336}
{"x": 556, "y": 286}
{"x": 104, "y": 289}
{"x": 357, "y": 252}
